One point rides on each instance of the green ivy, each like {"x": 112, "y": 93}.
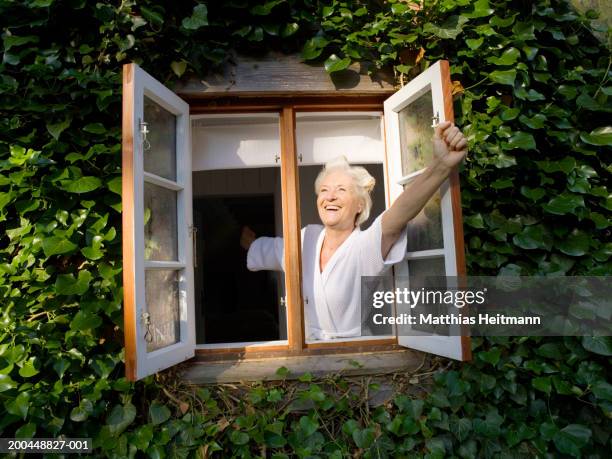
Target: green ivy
{"x": 533, "y": 93}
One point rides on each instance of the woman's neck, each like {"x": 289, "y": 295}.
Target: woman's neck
{"x": 334, "y": 237}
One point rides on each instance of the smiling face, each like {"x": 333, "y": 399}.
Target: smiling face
{"x": 337, "y": 201}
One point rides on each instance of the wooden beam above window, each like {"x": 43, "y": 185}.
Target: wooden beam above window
{"x": 284, "y": 75}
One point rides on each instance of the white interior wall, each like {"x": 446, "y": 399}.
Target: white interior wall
{"x": 321, "y": 138}
{"x": 237, "y": 142}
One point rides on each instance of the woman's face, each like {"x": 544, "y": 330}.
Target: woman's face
{"x": 337, "y": 201}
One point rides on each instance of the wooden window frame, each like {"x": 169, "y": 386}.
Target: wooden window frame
{"x": 287, "y": 109}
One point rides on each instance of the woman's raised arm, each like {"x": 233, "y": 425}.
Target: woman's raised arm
{"x": 450, "y": 147}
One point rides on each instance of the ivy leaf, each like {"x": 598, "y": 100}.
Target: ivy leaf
{"x": 28, "y": 369}
{"x": 114, "y": 185}
{"x": 601, "y": 345}
{"x": 572, "y": 438}
{"x": 56, "y": 245}
{"x": 533, "y": 193}
{"x": 522, "y": 140}
{"x": 178, "y": 67}
{"x": 460, "y": 428}
{"x": 314, "y": 47}
{"x": 533, "y": 237}
{"x": 120, "y": 418}
{"x": 6, "y": 383}
{"x": 81, "y": 413}
{"x": 543, "y": 384}
{"x": 26, "y": 431}
{"x": 576, "y": 244}
{"x": 239, "y": 438}
{"x": 475, "y": 221}
{"x": 81, "y": 185}
{"x": 506, "y": 77}
{"x": 449, "y": 29}
{"x": 308, "y": 425}
{"x": 152, "y": 16}
{"x": 158, "y": 413}
{"x": 266, "y": 8}
{"x": 601, "y": 136}
{"x": 20, "y": 405}
{"x": 335, "y": 64}
{"x": 563, "y": 204}
{"x": 95, "y": 128}
{"x": 508, "y": 57}
{"x": 289, "y": 29}
{"x": 474, "y": 43}
{"x": 481, "y": 10}
{"x": 55, "y": 129}
{"x": 199, "y": 18}
{"x": 85, "y": 320}
{"x": 66, "y": 284}
{"x": 602, "y": 389}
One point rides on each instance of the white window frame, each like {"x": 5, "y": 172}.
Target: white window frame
{"x": 436, "y": 78}
{"x": 140, "y": 362}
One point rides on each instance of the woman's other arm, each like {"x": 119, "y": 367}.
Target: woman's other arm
{"x": 450, "y": 147}
{"x": 264, "y": 253}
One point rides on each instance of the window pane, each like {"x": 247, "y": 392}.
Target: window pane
{"x": 428, "y": 273}
{"x": 416, "y": 133}
{"x": 160, "y": 223}
{"x": 160, "y": 152}
{"x": 425, "y": 230}
{"x": 162, "y": 297}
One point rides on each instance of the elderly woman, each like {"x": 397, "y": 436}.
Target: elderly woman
{"x": 337, "y": 254}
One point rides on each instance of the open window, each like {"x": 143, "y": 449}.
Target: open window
{"x": 157, "y": 239}
{"x": 435, "y": 235}
{"x": 190, "y": 182}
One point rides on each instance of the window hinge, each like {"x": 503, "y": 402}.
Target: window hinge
{"x": 283, "y": 301}
{"x": 193, "y": 232}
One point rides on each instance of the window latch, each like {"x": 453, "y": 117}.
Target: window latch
{"x": 193, "y": 232}
{"x": 146, "y": 320}
{"x": 435, "y": 120}
{"x": 144, "y": 131}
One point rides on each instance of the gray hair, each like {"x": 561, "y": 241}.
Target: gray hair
{"x": 362, "y": 180}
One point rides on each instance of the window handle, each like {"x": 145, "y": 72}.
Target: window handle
{"x": 193, "y": 232}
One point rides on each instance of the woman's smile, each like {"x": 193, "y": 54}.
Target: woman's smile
{"x": 337, "y": 202}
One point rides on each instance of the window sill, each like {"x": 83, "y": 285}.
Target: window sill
{"x": 202, "y": 370}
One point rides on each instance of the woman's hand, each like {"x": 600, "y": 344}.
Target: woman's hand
{"x": 247, "y": 237}
{"x": 449, "y": 144}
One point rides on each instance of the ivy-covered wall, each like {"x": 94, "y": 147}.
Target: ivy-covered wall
{"x": 532, "y": 94}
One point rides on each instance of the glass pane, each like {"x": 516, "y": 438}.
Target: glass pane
{"x": 428, "y": 274}
{"x": 162, "y": 297}
{"x": 416, "y": 133}
{"x": 425, "y": 230}
{"x": 160, "y": 152}
{"x": 161, "y": 242}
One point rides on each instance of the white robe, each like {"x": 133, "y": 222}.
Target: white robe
{"x": 332, "y": 297}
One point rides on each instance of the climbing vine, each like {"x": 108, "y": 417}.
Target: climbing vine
{"x": 532, "y": 93}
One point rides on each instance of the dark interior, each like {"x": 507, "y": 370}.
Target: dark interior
{"x": 234, "y": 304}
